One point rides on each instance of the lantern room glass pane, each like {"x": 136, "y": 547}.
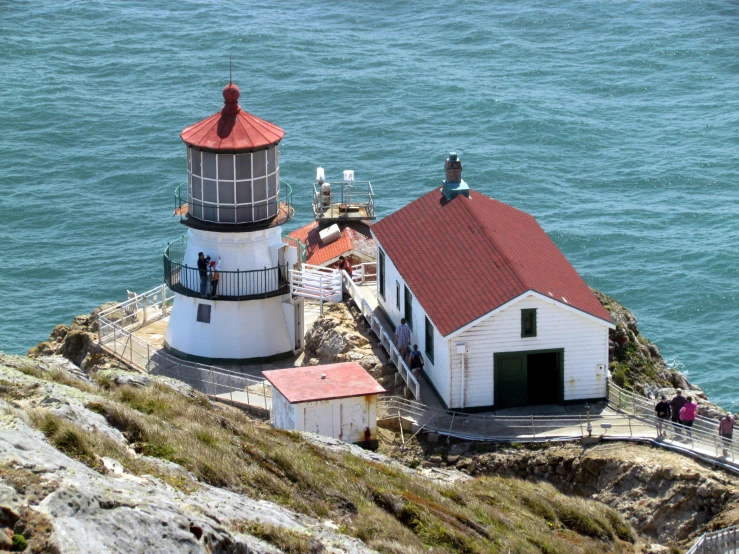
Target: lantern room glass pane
{"x": 225, "y": 192}
{"x": 260, "y": 189}
{"x": 260, "y": 163}
{"x": 209, "y": 191}
{"x": 209, "y": 165}
{"x": 244, "y": 214}
{"x": 243, "y": 192}
{"x": 227, "y": 214}
{"x": 243, "y": 166}
{"x": 195, "y": 188}
{"x": 272, "y": 186}
{"x": 195, "y": 161}
{"x": 271, "y": 159}
{"x": 225, "y": 167}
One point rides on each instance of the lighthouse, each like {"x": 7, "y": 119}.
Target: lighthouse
{"x": 229, "y": 271}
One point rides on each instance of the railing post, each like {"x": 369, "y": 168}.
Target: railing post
{"x": 264, "y": 395}
{"x": 631, "y": 432}
{"x": 164, "y": 299}
{"x": 115, "y": 340}
{"x": 238, "y": 284}
{"x": 247, "y": 394}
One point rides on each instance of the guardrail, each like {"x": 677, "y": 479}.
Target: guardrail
{"x": 365, "y": 272}
{"x": 215, "y": 382}
{"x": 302, "y": 254}
{"x": 343, "y": 195}
{"x": 200, "y": 213}
{"x": 385, "y": 339}
{"x": 230, "y": 285}
{"x": 317, "y": 283}
{"x": 724, "y": 541}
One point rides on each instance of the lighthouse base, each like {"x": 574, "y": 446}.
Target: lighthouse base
{"x": 226, "y": 332}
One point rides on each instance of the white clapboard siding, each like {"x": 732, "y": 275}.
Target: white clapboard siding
{"x": 438, "y": 371}
{"x": 585, "y": 344}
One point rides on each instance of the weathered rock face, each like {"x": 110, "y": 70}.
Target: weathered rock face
{"x": 340, "y": 335}
{"x": 664, "y": 496}
{"x": 78, "y": 343}
{"x": 636, "y": 363}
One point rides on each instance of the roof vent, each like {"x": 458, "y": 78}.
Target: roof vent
{"x": 454, "y": 185}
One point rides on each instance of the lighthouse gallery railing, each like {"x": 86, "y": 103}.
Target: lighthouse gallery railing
{"x": 230, "y": 285}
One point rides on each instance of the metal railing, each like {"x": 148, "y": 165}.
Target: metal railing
{"x": 345, "y": 196}
{"x": 247, "y": 214}
{"x": 317, "y": 283}
{"x": 117, "y": 324}
{"x": 702, "y": 437}
{"x": 723, "y": 541}
{"x": 482, "y": 427}
{"x": 292, "y": 241}
{"x": 385, "y": 339}
{"x": 364, "y": 272}
{"x": 215, "y": 382}
{"x": 230, "y": 285}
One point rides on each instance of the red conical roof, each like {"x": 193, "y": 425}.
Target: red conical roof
{"x": 232, "y": 129}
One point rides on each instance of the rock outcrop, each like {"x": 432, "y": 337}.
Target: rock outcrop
{"x": 341, "y": 335}
{"x": 636, "y": 363}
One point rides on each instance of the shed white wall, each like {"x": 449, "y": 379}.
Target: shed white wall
{"x": 340, "y": 418}
{"x": 438, "y": 371}
{"x": 585, "y": 344}
{"x": 283, "y": 414}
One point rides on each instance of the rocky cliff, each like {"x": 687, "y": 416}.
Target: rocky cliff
{"x": 122, "y": 462}
{"x": 637, "y": 365}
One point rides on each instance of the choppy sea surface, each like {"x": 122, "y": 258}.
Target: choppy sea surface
{"x": 615, "y": 123}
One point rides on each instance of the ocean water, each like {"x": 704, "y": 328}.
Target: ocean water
{"x": 615, "y": 123}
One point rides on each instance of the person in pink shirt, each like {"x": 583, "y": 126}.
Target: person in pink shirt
{"x": 688, "y": 413}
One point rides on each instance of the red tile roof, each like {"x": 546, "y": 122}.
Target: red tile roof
{"x": 355, "y": 237}
{"x": 465, "y": 257}
{"x": 232, "y": 129}
{"x": 304, "y": 384}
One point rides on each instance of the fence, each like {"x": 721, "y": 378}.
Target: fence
{"x": 701, "y": 437}
{"x": 348, "y": 195}
{"x": 385, "y": 339}
{"x": 317, "y": 283}
{"x": 724, "y": 541}
{"x": 365, "y": 272}
{"x": 230, "y": 285}
{"x": 215, "y": 382}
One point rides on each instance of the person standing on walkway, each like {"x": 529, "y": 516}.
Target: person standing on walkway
{"x": 416, "y": 361}
{"x": 203, "y": 271}
{"x": 403, "y": 339}
{"x": 676, "y": 404}
{"x": 688, "y": 413}
{"x": 663, "y": 414}
{"x": 726, "y": 430}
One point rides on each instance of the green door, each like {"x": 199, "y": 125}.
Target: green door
{"x": 510, "y": 380}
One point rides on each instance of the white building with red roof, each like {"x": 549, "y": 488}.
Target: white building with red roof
{"x": 501, "y": 316}
{"x": 334, "y": 400}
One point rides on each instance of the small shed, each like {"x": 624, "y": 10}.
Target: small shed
{"x": 335, "y": 400}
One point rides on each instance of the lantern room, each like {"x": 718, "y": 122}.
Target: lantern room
{"x": 233, "y": 171}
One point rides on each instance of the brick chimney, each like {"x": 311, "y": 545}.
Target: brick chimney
{"x": 454, "y": 185}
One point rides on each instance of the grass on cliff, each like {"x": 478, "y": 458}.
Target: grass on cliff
{"x": 390, "y": 509}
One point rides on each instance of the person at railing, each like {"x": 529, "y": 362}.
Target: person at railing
{"x": 203, "y": 271}
{"x": 726, "y": 430}
{"x": 416, "y": 361}
{"x": 215, "y": 268}
{"x": 663, "y": 414}
{"x": 403, "y": 339}
{"x": 677, "y": 404}
{"x": 688, "y": 413}
{"x": 345, "y": 265}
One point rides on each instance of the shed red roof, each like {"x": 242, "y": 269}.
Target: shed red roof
{"x": 465, "y": 257}
{"x": 355, "y": 237}
{"x": 232, "y": 129}
{"x": 304, "y": 384}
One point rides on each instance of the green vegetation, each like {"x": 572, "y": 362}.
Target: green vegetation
{"x": 391, "y": 508}
{"x": 19, "y": 543}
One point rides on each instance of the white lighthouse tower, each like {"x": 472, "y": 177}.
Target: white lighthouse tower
{"x": 232, "y": 305}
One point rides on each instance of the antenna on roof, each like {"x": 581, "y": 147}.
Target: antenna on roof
{"x": 230, "y": 80}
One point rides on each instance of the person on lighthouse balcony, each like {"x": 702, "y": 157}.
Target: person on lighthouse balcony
{"x": 215, "y": 268}
{"x": 203, "y": 271}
